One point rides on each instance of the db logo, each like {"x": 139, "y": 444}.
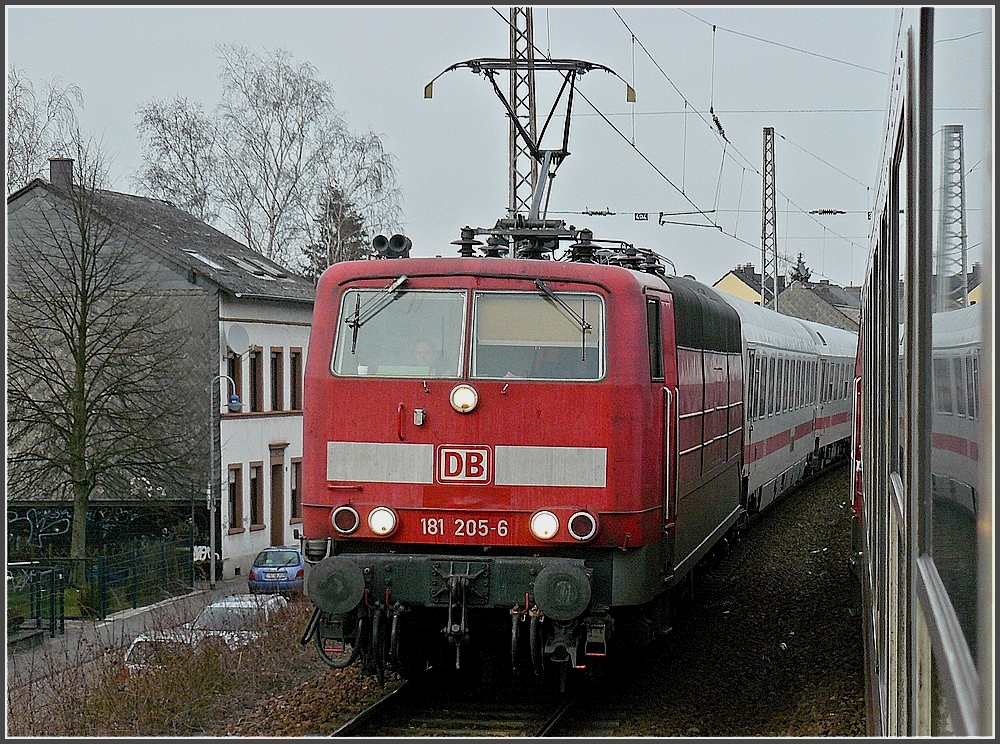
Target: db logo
{"x": 463, "y": 464}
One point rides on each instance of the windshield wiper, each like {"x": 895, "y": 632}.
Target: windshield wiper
{"x": 580, "y": 321}
{"x": 362, "y": 314}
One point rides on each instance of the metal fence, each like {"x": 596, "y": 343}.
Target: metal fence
{"x": 144, "y": 573}
{"x": 36, "y": 599}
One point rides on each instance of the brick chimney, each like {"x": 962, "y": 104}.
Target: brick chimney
{"x": 61, "y": 173}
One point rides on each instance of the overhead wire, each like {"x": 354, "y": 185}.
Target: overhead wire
{"x": 747, "y": 163}
{"x": 779, "y": 44}
{"x": 831, "y": 165}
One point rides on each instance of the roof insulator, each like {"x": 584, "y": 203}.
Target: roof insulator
{"x": 467, "y": 243}
{"x": 497, "y": 246}
{"x": 583, "y": 251}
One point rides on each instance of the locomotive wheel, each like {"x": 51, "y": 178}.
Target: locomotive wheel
{"x": 407, "y": 647}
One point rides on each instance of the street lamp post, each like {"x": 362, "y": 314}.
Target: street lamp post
{"x": 234, "y": 406}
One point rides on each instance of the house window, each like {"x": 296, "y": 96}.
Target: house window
{"x": 256, "y": 495}
{"x": 257, "y": 380}
{"x": 234, "y": 368}
{"x": 296, "y": 487}
{"x": 277, "y": 379}
{"x": 235, "y": 498}
{"x": 295, "y": 379}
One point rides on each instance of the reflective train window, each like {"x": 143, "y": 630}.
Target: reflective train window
{"x": 400, "y": 334}
{"x": 533, "y": 336}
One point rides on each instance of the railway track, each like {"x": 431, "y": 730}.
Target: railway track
{"x": 442, "y": 707}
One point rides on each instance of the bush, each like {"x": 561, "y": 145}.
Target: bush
{"x": 193, "y": 693}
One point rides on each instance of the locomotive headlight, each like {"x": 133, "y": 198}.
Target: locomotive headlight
{"x": 544, "y": 524}
{"x": 582, "y": 525}
{"x": 345, "y": 519}
{"x": 464, "y": 398}
{"x": 382, "y": 520}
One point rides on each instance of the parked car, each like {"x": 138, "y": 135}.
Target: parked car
{"x": 277, "y": 569}
{"x": 235, "y": 621}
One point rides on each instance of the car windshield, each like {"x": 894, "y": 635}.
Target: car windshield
{"x": 225, "y": 617}
{"x": 277, "y": 558}
{"x": 538, "y": 335}
{"x": 417, "y": 334}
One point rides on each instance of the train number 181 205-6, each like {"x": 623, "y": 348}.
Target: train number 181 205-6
{"x": 464, "y": 527}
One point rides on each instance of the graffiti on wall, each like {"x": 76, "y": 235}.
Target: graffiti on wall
{"x": 35, "y": 527}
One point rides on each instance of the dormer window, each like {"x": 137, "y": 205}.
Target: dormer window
{"x": 205, "y": 260}
{"x": 258, "y": 267}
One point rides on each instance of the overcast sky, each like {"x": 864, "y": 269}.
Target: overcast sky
{"x": 819, "y": 76}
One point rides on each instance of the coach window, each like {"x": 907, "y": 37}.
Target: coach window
{"x": 758, "y": 399}
{"x": 415, "y": 333}
{"x": 970, "y": 382}
{"x": 959, "y": 386}
{"x": 770, "y": 385}
{"x": 942, "y": 385}
{"x": 654, "y": 337}
{"x": 804, "y": 383}
{"x": 533, "y": 336}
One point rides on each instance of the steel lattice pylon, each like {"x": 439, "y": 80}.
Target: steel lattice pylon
{"x": 769, "y": 233}
{"x": 523, "y": 173}
{"x": 952, "y": 287}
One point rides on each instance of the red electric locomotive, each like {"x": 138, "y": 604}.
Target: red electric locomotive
{"x": 524, "y": 455}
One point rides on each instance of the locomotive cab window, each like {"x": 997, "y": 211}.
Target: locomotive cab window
{"x": 533, "y": 336}
{"x": 416, "y": 333}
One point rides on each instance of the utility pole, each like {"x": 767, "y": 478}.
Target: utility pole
{"x": 769, "y": 234}
{"x": 523, "y": 174}
{"x": 952, "y": 238}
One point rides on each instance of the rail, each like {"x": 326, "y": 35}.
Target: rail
{"x": 437, "y": 706}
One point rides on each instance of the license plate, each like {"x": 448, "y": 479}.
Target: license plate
{"x": 275, "y": 577}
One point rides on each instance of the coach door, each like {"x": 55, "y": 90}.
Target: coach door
{"x": 751, "y": 382}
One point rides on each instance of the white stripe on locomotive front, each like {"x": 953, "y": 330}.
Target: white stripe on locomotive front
{"x": 379, "y": 462}
{"x": 391, "y": 462}
{"x": 551, "y": 466}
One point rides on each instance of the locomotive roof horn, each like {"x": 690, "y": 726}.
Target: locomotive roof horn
{"x": 398, "y": 246}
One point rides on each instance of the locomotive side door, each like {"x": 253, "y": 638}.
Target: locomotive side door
{"x": 663, "y": 379}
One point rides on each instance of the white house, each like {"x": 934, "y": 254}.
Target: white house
{"x": 249, "y": 321}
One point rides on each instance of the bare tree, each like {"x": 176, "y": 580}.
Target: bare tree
{"x": 39, "y": 125}
{"x": 278, "y": 122}
{"x": 270, "y": 155}
{"x": 94, "y": 401}
{"x": 181, "y": 156}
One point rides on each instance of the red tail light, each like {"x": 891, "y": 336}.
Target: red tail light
{"x": 301, "y": 573}
{"x": 252, "y": 577}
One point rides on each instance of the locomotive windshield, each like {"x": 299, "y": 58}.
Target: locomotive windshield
{"x": 538, "y": 336}
{"x": 416, "y": 334}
